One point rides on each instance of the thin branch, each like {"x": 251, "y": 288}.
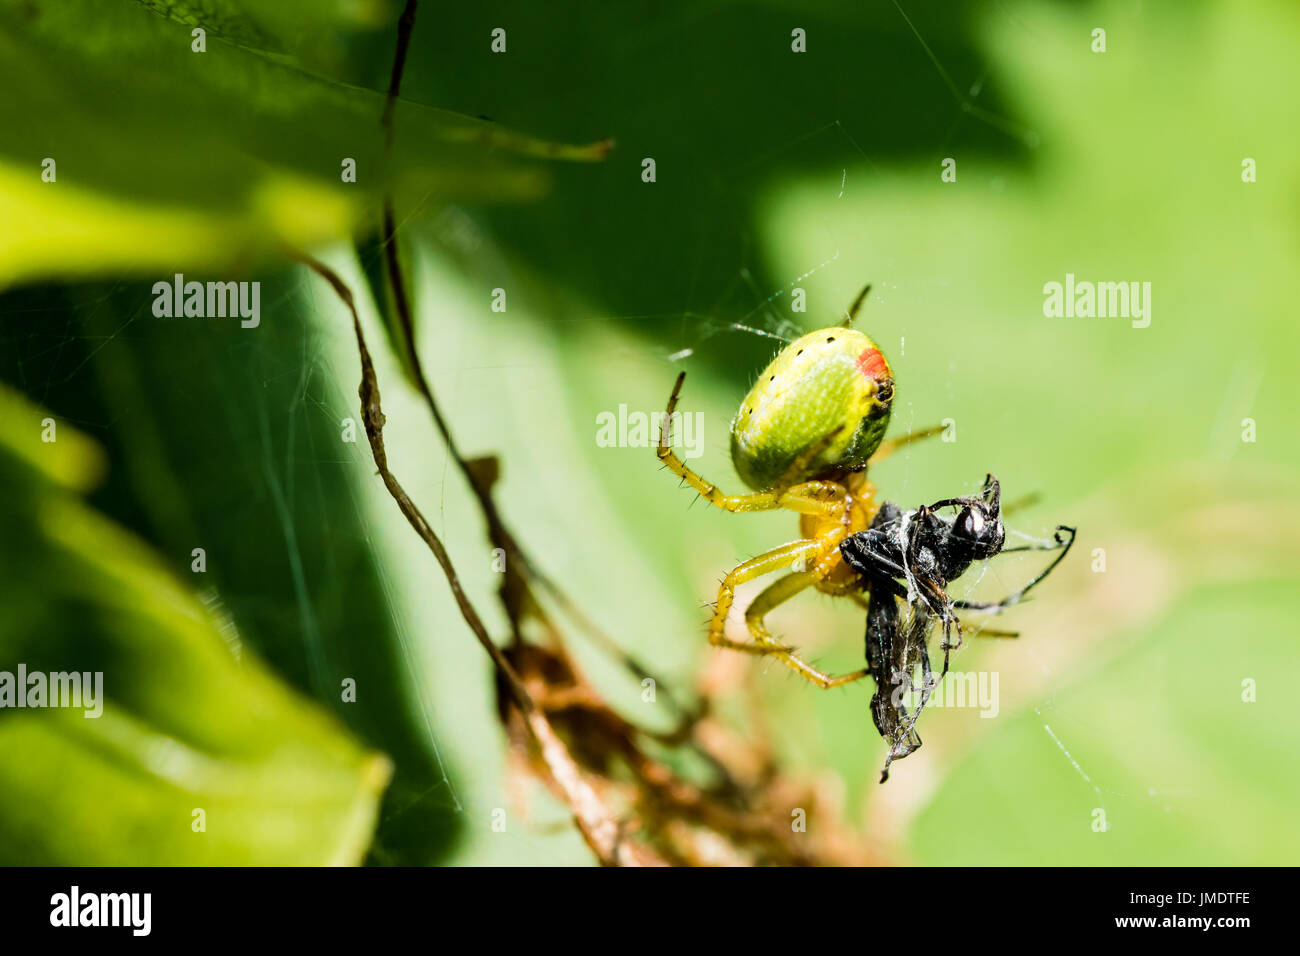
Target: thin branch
{"x": 599, "y": 827}
{"x": 497, "y": 528}
{"x": 405, "y": 26}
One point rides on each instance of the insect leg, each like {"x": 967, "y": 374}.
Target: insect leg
{"x": 1063, "y": 543}
{"x": 891, "y": 445}
{"x": 780, "y": 591}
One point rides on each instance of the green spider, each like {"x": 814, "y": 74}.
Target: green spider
{"x": 803, "y": 439}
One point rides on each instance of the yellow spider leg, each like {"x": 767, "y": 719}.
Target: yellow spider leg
{"x": 777, "y": 593}
{"x": 809, "y": 497}
{"x": 774, "y": 595}
{"x": 773, "y": 560}
{"x": 889, "y": 446}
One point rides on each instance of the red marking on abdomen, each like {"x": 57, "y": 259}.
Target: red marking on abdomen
{"x": 873, "y": 365}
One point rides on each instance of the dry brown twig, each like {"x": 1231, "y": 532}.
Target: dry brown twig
{"x": 598, "y": 825}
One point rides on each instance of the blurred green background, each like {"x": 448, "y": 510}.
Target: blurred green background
{"x": 774, "y": 170}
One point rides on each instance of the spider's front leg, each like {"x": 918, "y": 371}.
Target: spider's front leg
{"x": 808, "y": 497}
{"x": 891, "y": 445}
{"x": 809, "y": 552}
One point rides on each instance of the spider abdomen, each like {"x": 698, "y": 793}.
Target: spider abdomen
{"x": 833, "y": 382}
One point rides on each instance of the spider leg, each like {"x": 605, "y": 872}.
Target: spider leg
{"x": 809, "y": 497}
{"x": 774, "y": 595}
{"x": 891, "y": 445}
{"x": 764, "y": 563}
{"x": 852, "y": 314}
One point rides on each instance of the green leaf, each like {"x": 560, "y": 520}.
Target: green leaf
{"x": 301, "y": 26}
{"x": 1163, "y": 747}
{"x": 188, "y": 723}
{"x": 217, "y": 159}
